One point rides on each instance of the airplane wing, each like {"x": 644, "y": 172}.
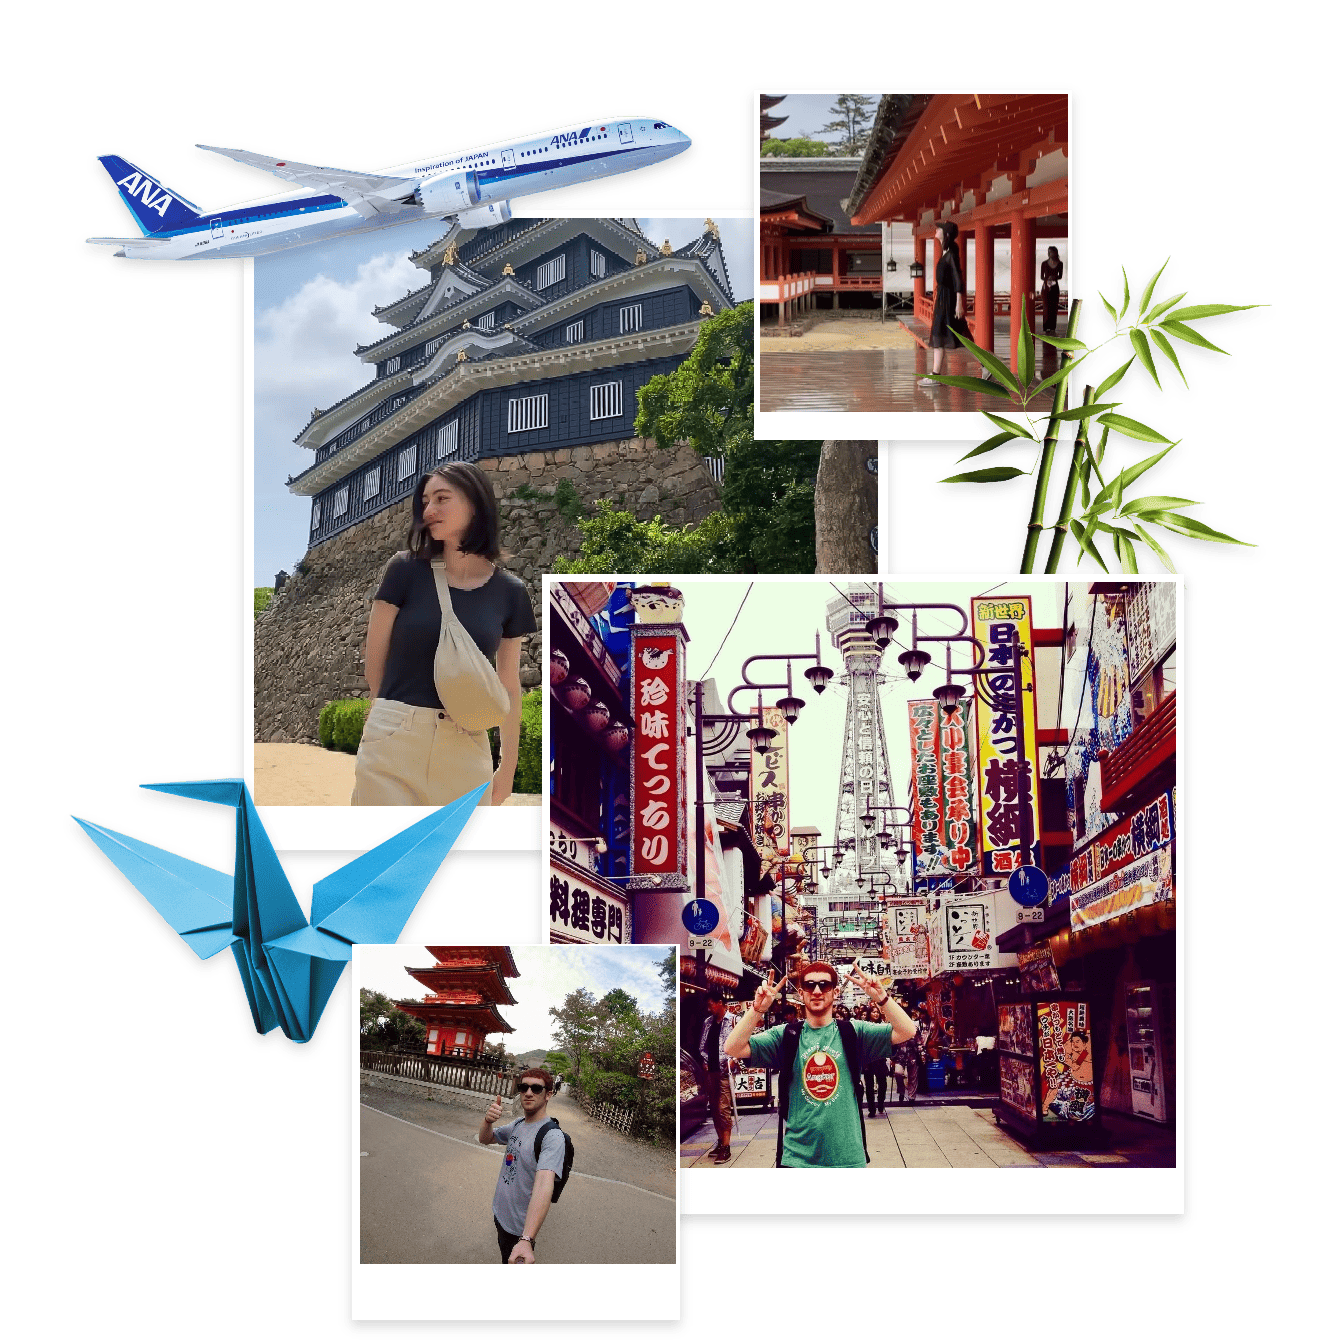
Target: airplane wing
{"x": 369, "y": 193}
{"x": 141, "y": 241}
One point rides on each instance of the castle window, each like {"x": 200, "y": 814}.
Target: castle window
{"x": 605, "y": 400}
{"x": 629, "y": 318}
{"x": 406, "y": 463}
{"x": 551, "y": 272}
{"x": 525, "y": 413}
{"x": 432, "y": 346}
{"x": 596, "y": 263}
{"x": 576, "y": 331}
{"x": 392, "y": 364}
{"x": 447, "y": 441}
{"x": 372, "y": 479}
{"x": 318, "y": 514}
{"x": 485, "y": 323}
{"x": 341, "y": 501}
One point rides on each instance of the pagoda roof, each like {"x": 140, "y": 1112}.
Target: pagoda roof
{"x": 482, "y": 1016}
{"x": 778, "y": 207}
{"x": 468, "y": 954}
{"x": 474, "y": 984}
{"x": 823, "y": 184}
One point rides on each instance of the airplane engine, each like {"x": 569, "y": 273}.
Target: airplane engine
{"x": 497, "y": 212}
{"x": 448, "y": 193}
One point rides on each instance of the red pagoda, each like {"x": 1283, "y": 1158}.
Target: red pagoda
{"x": 466, "y": 983}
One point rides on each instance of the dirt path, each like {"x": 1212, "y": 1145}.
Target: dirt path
{"x": 838, "y": 333}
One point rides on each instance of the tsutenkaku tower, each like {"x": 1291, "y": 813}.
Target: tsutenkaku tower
{"x": 864, "y": 766}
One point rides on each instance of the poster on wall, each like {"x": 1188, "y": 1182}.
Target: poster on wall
{"x": 1006, "y": 760}
{"x": 906, "y": 940}
{"x": 1014, "y": 1028}
{"x": 1017, "y": 1086}
{"x": 770, "y": 793}
{"x": 1066, "y": 1062}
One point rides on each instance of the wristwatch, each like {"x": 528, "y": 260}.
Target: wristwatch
{"x": 529, "y": 1239}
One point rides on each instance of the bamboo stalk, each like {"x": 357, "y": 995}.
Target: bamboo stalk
{"x": 1048, "y": 453}
{"x": 1071, "y": 485}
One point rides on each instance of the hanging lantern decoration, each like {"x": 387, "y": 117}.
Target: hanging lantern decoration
{"x": 617, "y": 736}
{"x": 576, "y": 694}
{"x": 559, "y": 667}
{"x": 597, "y": 717}
{"x": 917, "y": 270}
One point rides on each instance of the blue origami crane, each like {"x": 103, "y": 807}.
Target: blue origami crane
{"x": 289, "y": 964}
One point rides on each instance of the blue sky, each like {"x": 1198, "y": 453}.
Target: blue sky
{"x": 806, "y": 113}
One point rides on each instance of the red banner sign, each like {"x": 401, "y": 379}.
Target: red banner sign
{"x": 659, "y": 828}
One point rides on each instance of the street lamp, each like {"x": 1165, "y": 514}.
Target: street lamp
{"x": 914, "y": 662}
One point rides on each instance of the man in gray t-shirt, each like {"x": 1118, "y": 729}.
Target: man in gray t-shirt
{"x": 525, "y": 1186}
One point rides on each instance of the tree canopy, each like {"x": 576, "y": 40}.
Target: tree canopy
{"x": 853, "y": 123}
{"x": 799, "y": 147}
{"x": 384, "y": 1026}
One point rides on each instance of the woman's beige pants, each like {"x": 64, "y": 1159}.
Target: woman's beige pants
{"x": 415, "y": 757}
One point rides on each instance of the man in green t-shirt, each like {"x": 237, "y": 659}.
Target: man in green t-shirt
{"x": 822, "y": 1122}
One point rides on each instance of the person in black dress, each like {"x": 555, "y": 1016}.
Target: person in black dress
{"x": 1052, "y": 270}
{"x": 948, "y": 298}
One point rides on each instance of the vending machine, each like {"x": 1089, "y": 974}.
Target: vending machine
{"x": 1143, "y": 1036}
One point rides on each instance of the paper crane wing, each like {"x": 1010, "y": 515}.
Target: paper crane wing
{"x": 288, "y": 969}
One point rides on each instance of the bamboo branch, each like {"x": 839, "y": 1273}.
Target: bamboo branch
{"x": 1071, "y": 485}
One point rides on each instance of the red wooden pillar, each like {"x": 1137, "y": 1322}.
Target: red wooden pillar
{"x": 1021, "y": 269}
{"x": 984, "y": 290}
{"x": 919, "y": 282}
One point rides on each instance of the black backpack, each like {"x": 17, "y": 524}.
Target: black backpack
{"x": 788, "y": 1056}
{"x": 569, "y": 1152}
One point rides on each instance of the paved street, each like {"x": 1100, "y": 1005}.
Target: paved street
{"x": 426, "y": 1189}
{"x": 944, "y": 1136}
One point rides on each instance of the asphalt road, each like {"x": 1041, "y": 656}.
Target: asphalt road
{"x": 426, "y": 1189}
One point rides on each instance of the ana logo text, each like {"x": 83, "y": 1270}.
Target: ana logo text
{"x": 144, "y": 187}
{"x": 571, "y": 138}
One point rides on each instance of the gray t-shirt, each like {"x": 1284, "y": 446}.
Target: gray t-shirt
{"x": 516, "y": 1180}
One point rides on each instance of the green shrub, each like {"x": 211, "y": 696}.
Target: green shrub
{"x": 530, "y": 756}
{"x": 262, "y": 596}
{"x": 341, "y": 724}
{"x": 566, "y": 500}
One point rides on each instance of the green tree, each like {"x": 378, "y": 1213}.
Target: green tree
{"x": 613, "y": 541}
{"x": 383, "y": 1026}
{"x": 853, "y": 123}
{"x": 576, "y": 1027}
{"x": 799, "y": 147}
{"x": 262, "y": 599}
{"x": 769, "y": 493}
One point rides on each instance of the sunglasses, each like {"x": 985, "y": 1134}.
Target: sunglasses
{"x": 818, "y": 986}
{"x": 530, "y": 1087}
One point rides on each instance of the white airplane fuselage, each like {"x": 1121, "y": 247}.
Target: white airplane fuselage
{"x": 472, "y": 187}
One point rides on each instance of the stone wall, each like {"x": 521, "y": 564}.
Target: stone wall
{"x": 309, "y": 643}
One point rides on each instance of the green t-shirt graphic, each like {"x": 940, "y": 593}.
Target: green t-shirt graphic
{"x": 823, "y": 1127}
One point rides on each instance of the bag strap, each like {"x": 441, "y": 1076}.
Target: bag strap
{"x": 848, "y": 1038}
{"x": 444, "y": 592}
{"x": 541, "y": 1132}
{"x": 788, "y": 1054}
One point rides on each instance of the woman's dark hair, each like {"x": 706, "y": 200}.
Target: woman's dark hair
{"x": 481, "y": 537}
{"x": 950, "y": 233}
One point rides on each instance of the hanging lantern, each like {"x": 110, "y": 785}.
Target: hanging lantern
{"x": 948, "y": 697}
{"x": 597, "y": 717}
{"x": 882, "y": 628}
{"x": 559, "y": 667}
{"x": 576, "y": 694}
{"x": 820, "y": 677}
{"x": 617, "y": 736}
{"x": 917, "y": 270}
{"x": 913, "y": 661}
{"x": 791, "y": 707}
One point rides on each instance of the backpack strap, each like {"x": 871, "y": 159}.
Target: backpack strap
{"x": 788, "y": 1054}
{"x": 541, "y": 1132}
{"x": 848, "y": 1038}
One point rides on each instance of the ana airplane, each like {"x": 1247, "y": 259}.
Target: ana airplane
{"x": 474, "y": 189}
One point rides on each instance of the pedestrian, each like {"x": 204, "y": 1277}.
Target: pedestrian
{"x": 443, "y": 653}
{"x": 1052, "y": 270}
{"x": 820, "y": 1113}
{"x": 947, "y": 311}
{"x": 525, "y": 1183}
{"x": 557, "y": 1083}
{"x": 715, "y": 1031}
{"x": 875, "y": 1082}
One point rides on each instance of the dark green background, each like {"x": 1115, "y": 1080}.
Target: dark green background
{"x": 172, "y": 1184}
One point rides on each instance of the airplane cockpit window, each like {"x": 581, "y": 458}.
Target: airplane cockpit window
{"x": 663, "y": 126}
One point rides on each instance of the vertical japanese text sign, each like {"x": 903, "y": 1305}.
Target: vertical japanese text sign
{"x": 922, "y": 716}
{"x": 659, "y": 741}
{"x": 943, "y": 830}
{"x": 770, "y": 793}
{"x": 1001, "y": 625}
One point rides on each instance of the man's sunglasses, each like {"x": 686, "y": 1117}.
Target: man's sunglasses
{"x": 530, "y": 1087}
{"x": 818, "y": 986}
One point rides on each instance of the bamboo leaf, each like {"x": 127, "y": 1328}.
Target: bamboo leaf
{"x": 1154, "y": 503}
{"x": 1149, "y": 540}
{"x": 1158, "y": 309}
{"x": 1025, "y": 364}
{"x": 1124, "y": 551}
{"x": 1140, "y": 343}
{"x": 1184, "y": 333}
{"x": 1125, "y": 302}
{"x": 1066, "y": 342}
{"x": 1059, "y": 376}
{"x": 1084, "y": 536}
{"x": 1109, "y": 492}
{"x": 987, "y": 445}
{"x": 1114, "y": 318}
{"x": 1152, "y": 284}
{"x": 1190, "y": 527}
{"x": 1008, "y": 425}
{"x": 1112, "y": 379}
{"x": 1201, "y": 310}
{"x": 989, "y": 389}
{"x": 984, "y": 476}
{"x": 993, "y": 365}
{"x": 1133, "y": 428}
{"x": 1083, "y": 488}
{"x": 1084, "y": 412}
{"x": 1166, "y": 348}
{"x": 1132, "y": 474}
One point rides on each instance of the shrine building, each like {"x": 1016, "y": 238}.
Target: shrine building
{"x": 531, "y": 335}
{"x": 467, "y": 984}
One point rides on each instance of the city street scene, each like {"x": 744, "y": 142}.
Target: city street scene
{"x": 916, "y": 841}
{"x": 517, "y": 1105}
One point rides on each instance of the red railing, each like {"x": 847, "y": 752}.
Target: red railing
{"x": 1144, "y": 751}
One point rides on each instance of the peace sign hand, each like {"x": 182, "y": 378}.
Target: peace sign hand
{"x": 766, "y": 994}
{"x": 876, "y": 990}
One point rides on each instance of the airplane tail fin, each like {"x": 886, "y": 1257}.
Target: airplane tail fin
{"x": 157, "y": 209}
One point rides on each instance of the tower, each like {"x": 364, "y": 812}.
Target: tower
{"x": 468, "y": 983}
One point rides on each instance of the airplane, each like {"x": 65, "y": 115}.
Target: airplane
{"x": 473, "y": 188}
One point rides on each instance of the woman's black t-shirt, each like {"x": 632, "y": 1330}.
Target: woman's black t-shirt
{"x": 497, "y": 610}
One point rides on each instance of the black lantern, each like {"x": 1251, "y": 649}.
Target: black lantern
{"x": 791, "y": 707}
{"x": 882, "y": 628}
{"x": 891, "y": 265}
{"x": 917, "y": 270}
{"x": 948, "y": 697}
{"x": 820, "y": 677}
{"x": 761, "y": 738}
{"x": 913, "y": 661}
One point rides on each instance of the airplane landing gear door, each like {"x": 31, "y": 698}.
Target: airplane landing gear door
{"x": 217, "y": 231}
{"x": 625, "y": 133}
{"x": 1143, "y": 1036}
{"x": 509, "y": 158}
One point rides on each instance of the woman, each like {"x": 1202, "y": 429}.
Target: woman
{"x": 947, "y": 298}
{"x": 413, "y": 751}
{"x": 1052, "y": 270}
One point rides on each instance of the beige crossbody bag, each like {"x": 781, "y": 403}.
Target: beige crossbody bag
{"x": 464, "y": 678}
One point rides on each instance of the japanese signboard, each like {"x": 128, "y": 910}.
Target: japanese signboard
{"x": 944, "y": 831}
{"x": 1007, "y": 785}
{"x": 1141, "y": 883}
{"x": 964, "y": 933}
{"x": 659, "y": 744}
{"x": 584, "y": 909}
{"x": 1037, "y": 970}
{"x": 1018, "y": 1087}
{"x": 1014, "y": 1028}
{"x": 770, "y": 793}
{"x": 1148, "y": 830}
{"x": 906, "y": 939}
{"x": 749, "y": 1084}
{"x": 1065, "y": 1059}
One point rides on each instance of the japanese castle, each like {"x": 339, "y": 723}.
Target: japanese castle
{"x": 532, "y": 335}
